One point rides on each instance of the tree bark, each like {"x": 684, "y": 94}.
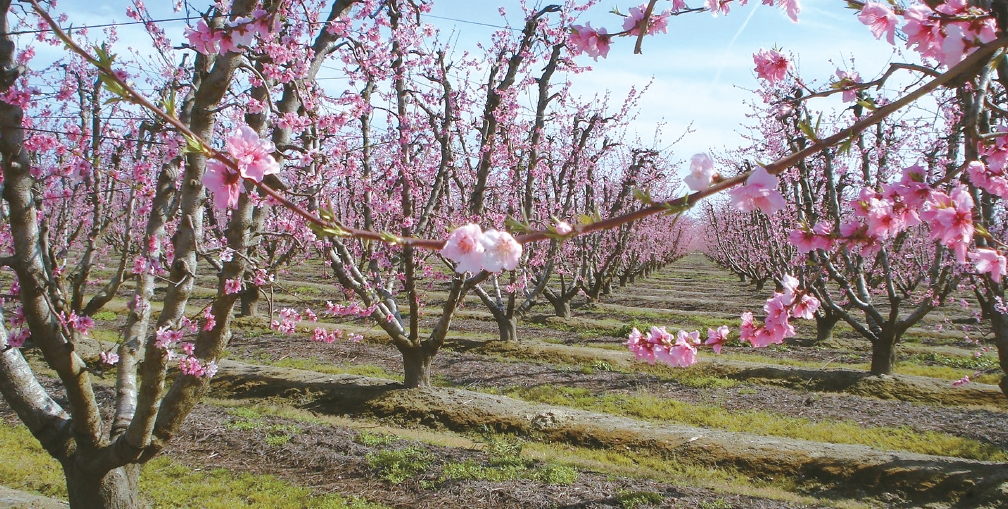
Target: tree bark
{"x": 417, "y": 366}
{"x": 883, "y": 356}
{"x": 249, "y": 301}
{"x": 117, "y": 489}
{"x": 825, "y": 325}
{"x": 507, "y": 328}
{"x": 999, "y": 324}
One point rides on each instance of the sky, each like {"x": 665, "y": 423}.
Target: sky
{"x": 702, "y": 70}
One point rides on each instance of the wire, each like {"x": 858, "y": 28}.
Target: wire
{"x": 105, "y": 25}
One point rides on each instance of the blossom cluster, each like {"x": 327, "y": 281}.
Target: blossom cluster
{"x": 352, "y": 309}
{"x": 254, "y": 159}
{"x": 595, "y": 42}
{"x": 946, "y": 33}
{"x": 771, "y": 65}
{"x": 474, "y": 250}
{"x": 880, "y": 215}
{"x": 658, "y": 345}
{"x": 236, "y": 34}
{"x": 779, "y": 308}
{"x": 171, "y": 341}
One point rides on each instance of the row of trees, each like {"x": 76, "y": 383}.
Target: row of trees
{"x": 103, "y": 199}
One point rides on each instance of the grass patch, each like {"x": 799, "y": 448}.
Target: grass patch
{"x": 371, "y": 439}
{"x": 397, "y": 465}
{"x": 634, "y": 499}
{"x": 164, "y": 483}
{"x": 505, "y": 463}
{"x": 26, "y": 466}
{"x": 656, "y": 408}
{"x": 105, "y": 315}
{"x": 251, "y": 419}
{"x": 323, "y": 367}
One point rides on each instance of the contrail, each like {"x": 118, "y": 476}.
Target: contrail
{"x": 730, "y": 44}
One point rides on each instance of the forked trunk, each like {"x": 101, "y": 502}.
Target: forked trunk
{"x": 417, "y": 366}
{"x": 249, "y": 301}
{"x": 562, "y": 308}
{"x": 825, "y": 325}
{"x": 883, "y": 356}
{"x": 507, "y": 328}
{"x": 115, "y": 490}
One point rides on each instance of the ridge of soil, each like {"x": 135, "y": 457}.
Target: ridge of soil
{"x": 840, "y": 471}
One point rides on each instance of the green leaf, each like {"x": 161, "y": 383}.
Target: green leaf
{"x": 807, "y": 129}
{"x": 845, "y": 146}
{"x": 517, "y": 226}
{"x": 673, "y": 208}
{"x": 193, "y": 146}
{"x": 587, "y": 219}
{"x": 643, "y": 196}
{"x": 868, "y": 102}
{"x": 390, "y": 239}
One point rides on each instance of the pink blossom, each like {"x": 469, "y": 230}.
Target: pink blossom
{"x": 993, "y": 183}
{"x": 880, "y": 20}
{"x": 701, "y": 173}
{"x": 632, "y": 23}
{"x": 108, "y": 358}
{"x": 847, "y": 81}
{"x": 322, "y": 335}
{"x": 209, "y": 322}
{"x": 923, "y": 30}
{"x": 17, "y": 338}
{"x": 166, "y": 338}
{"x": 951, "y": 220}
{"x": 191, "y": 366}
{"x": 202, "y": 39}
{"x": 224, "y": 182}
{"x": 759, "y": 192}
{"x": 253, "y": 155}
{"x": 464, "y": 247}
{"x": 806, "y": 239}
{"x": 805, "y": 307}
{"x": 962, "y": 381}
{"x": 563, "y": 228}
{"x": 188, "y": 347}
{"x": 585, "y": 39}
{"x": 501, "y": 251}
{"x": 210, "y": 369}
{"x": 771, "y": 65}
{"x": 232, "y": 286}
{"x": 717, "y": 338}
{"x": 989, "y": 261}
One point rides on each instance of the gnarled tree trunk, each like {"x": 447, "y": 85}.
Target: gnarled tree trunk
{"x": 115, "y": 490}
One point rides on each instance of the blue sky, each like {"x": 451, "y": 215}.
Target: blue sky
{"x": 702, "y": 69}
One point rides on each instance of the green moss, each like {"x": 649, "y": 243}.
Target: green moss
{"x": 26, "y": 466}
{"x": 660, "y": 408}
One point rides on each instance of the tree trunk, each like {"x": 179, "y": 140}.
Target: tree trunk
{"x": 115, "y": 490}
{"x": 883, "y": 355}
{"x": 562, "y": 308}
{"x": 508, "y": 328}
{"x": 249, "y": 301}
{"x": 999, "y": 324}
{"x": 416, "y": 366}
{"x": 825, "y": 325}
